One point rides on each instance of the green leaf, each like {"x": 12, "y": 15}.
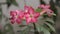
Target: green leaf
{"x": 8, "y": 28}
{"x": 51, "y": 27}
{"x": 25, "y": 30}
{"x": 41, "y": 28}
{"x": 9, "y": 2}
{"x": 45, "y": 15}
{"x": 38, "y": 10}
{"x": 0, "y": 12}
{"x": 50, "y": 21}
{"x": 15, "y": 3}
{"x": 54, "y": 14}
{"x": 46, "y": 31}
{"x": 42, "y": 2}
{"x": 38, "y": 27}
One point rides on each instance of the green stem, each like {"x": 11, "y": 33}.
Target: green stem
{"x": 35, "y": 30}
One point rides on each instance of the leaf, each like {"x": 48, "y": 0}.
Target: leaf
{"x": 9, "y": 2}
{"x": 14, "y": 3}
{"x": 42, "y": 2}
{"x": 45, "y": 15}
{"x": 38, "y": 28}
{"x": 0, "y": 12}
{"x": 8, "y": 28}
{"x": 26, "y": 30}
{"x": 54, "y": 14}
{"x": 46, "y": 31}
{"x": 38, "y": 10}
{"x": 51, "y": 27}
{"x": 49, "y": 21}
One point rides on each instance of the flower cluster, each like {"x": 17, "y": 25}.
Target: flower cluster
{"x": 29, "y": 14}
{"x": 47, "y": 9}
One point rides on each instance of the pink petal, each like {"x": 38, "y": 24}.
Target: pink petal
{"x": 47, "y": 6}
{"x": 31, "y": 10}
{"x": 18, "y": 21}
{"x": 36, "y": 15}
{"x": 13, "y": 13}
{"x": 12, "y": 21}
{"x": 41, "y": 6}
{"x": 27, "y": 15}
{"x": 42, "y": 12}
{"x": 44, "y": 6}
{"x": 26, "y": 8}
{"x": 34, "y": 20}
{"x": 28, "y": 20}
{"x": 49, "y": 12}
{"x": 21, "y": 14}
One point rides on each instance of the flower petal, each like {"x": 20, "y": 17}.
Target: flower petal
{"x": 34, "y": 20}
{"x": 41, "y": 6}
{"x": 18, "y": 21}
{"x": 49, "y": 12}
{"x": 28, "y": 20}
{"x": 36, "y": 15}
{"x": 31, "y": 10}
{"x": 13, "y": 13}
{"x": 47, "y": 6}
{"x": 27, "y": 15}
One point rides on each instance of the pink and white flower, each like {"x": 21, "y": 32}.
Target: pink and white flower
{"x": 16, "y": 16}
{"x": 44, "y": 6}
{"x": 46, "y": 9}
{"x": 31, "y": 15}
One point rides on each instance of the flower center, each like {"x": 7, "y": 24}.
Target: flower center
{"x": 31, "y": 15}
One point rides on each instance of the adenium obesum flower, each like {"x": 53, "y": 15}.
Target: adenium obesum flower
{"x": 46, "y": 9}
{"x": 16, "y": 16}
{"x": 44, "y": 6}
{"x": 28, "y": 14}
{"x": 49, "y": 12}
{"x": 31, "y": 15}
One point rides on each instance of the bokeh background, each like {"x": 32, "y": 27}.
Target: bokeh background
{"x": 6, "y": 7}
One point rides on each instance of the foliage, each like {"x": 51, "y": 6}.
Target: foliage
{"x": 0, "y": 12}
{"x": 8, "y": 28}
{"x": 57, "y": 2}
{"x": 9, "y": 2}
{"x": 53, "y": 7}
{"x": 46, "y": 27}
{"x": 42, "y": 2}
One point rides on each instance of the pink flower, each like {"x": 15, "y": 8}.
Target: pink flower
{"x": 16, "y": 16}
{"x": 44, "y": 6}
{"x": 49, "y": 12}
{"x": 28, "y": 9}
{"x": 46, "y": 9}
{"x": 31, "y": 15}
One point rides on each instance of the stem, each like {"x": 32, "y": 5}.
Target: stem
{"x": 35, "y": 30}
